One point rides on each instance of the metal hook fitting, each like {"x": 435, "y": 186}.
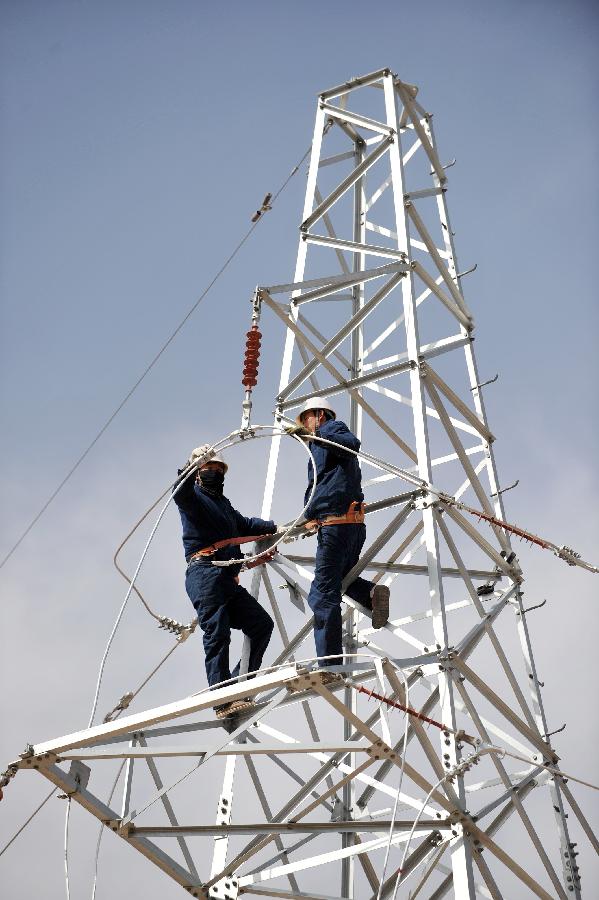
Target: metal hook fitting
{"x": 447, "y": 165}
{"x": 548, "y": 734}
{"x": 538, "y": 606}
{"x": 503, "y": 490}
{"x": 483, "y": 383}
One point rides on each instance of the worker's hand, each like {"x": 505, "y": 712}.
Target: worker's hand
{"x": 198, "y": 453}
{"x": 281, "y": 528}
{"x": 298, "y": 431}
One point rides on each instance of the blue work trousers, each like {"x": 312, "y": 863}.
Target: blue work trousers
{"x": 221, "y": 604}
{"x": 338, "y": 550}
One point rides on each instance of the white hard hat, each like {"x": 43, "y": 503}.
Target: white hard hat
{"x": 215, "y": 457}
{"x": 314, "y": 403}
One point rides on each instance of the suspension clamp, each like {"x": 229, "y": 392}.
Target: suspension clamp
{"x": 177, "y": 628}
{"x": 567, "y": 554}
{"x": 463, "y": 766}
{"x": 122, "y": 705}
{"x": 7, "y": 776}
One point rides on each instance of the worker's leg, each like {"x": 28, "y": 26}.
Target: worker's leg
{"x": 204, "y": 588}
{"x": 252, "y": 619}
{"x": 324, "y": 598}
{"x": 360, "y": 589}
{"x": 373, "y": 597}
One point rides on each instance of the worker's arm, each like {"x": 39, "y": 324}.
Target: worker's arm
{"x": 183, "y": 490}
{"x": 250, "y": 525}
{"x": 338, "y": 433}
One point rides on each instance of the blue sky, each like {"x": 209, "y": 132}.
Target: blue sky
{"x": 138, "y": 139}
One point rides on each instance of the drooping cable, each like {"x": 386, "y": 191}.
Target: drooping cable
{"x": 124, "y": 541}
{"x": 121, "y": 611}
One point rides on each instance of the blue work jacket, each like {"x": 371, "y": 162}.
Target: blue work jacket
{"x": 338, "y": 475}
{"x": 207, "y": 518}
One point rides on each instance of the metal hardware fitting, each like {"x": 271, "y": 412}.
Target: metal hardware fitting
{"x": 483, "y": 383}
{"x": 122, "y": 705}
{"x": 537, "y": 606}
{"x": 548, "y": 734}
{"x": 567, "y": 554}
{"x": 468, "y": 272}
{"x": 265, "y": 207}
{"x": 80, "y": 773}
{"x": 446, "y": 166}
{"x": 178, "y": 628}
{"x": 506, "y": 489}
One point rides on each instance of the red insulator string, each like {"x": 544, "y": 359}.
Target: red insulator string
{"x": 251, "y": 358}
{"x": 406, "y": 709}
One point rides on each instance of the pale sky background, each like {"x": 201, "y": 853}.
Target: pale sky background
{"x": 137, "y": 140}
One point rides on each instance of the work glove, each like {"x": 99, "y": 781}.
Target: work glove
{"x": 198, "y": 453}
{"x": 281, "y": 528}
{"x": 298, "y": 431}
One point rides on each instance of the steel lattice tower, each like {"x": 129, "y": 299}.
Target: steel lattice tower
{"x": 304, "y": 792}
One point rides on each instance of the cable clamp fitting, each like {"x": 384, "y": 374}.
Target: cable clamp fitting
{"x": 122, "y": 705}
{"x": 567, "y": 554}
{"x": 7, "y": 776}
{"x": 178, "y": 628}
{"x": 265, "y": 207}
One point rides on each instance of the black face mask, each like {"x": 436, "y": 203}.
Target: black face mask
{"x": 212, "y": 481}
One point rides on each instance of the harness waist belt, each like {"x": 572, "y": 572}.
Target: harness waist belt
{"x": 353, "y": 516}
{"x": 227, "y": 542}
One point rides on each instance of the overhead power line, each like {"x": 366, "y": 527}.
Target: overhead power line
{"x": 150, "y": 365}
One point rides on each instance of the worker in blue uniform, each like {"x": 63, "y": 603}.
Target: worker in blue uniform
{"x": 221, "y": 603}
{"x": 336, "y": 506}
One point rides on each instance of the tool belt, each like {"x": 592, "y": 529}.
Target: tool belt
{"x": 206, "y": 552}
{"x": 353, "y": 516}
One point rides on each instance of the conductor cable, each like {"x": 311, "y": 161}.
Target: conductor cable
{"x": 150, "y": 366}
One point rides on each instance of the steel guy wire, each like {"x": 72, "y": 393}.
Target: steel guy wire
{"x": 26, "y": 823}
{"x": 150, "y": 366}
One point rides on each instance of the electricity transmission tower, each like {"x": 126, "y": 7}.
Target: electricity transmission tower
{"x": 340, "y": 790}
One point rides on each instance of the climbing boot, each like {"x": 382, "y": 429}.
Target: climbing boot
{"x": 380, "y": 606}
{"x": 234, "y": 708}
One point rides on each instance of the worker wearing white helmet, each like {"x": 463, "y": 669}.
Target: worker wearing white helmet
{"x": 337, "y": 507}
{"x": 221, "y": 603}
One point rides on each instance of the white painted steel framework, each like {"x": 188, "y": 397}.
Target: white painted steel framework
{"x": 330, "y": 791}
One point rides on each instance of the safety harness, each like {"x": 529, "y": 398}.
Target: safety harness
{"x": 227, "y": 542}
{"x": 353, "y": 516}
